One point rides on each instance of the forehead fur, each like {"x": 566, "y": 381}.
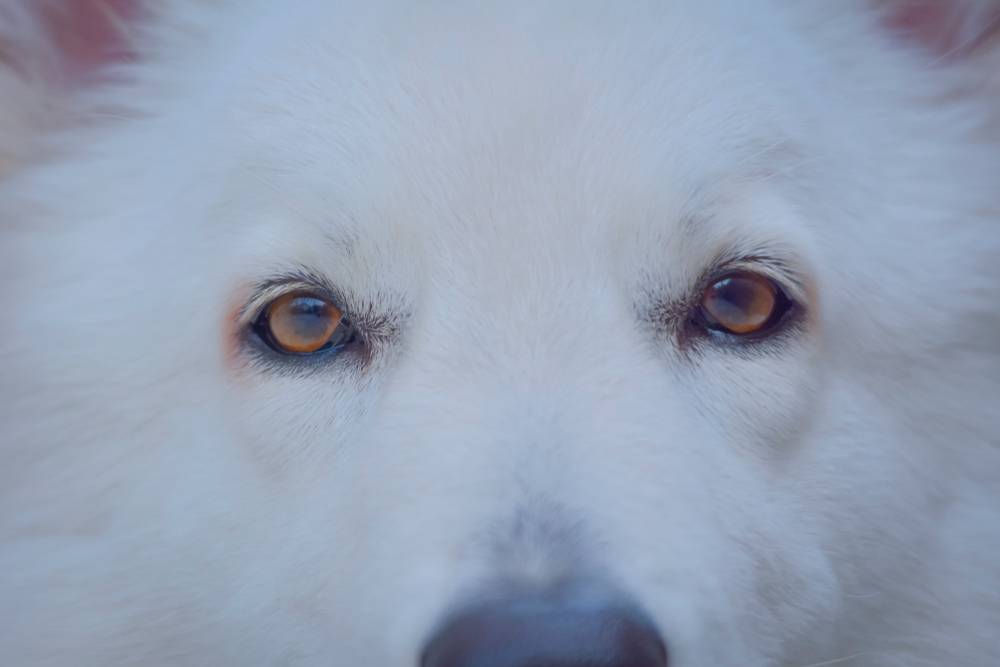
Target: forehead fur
{"x": 466, "y": 122}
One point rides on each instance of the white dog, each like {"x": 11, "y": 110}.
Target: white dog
{"x": 500, "y": 334}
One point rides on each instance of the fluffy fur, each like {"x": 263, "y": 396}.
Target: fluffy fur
{"x": 516, "y": 201}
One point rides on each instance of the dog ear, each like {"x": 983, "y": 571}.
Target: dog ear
{"x": 48, "y": 50}
{"x": 89, "y": 34}
{"x": 944, "y": 28}
{"x": 70, "y": 41}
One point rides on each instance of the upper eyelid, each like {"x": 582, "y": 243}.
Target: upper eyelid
{"x": 304, "y": 280}
{"x": 262, "y": 297}
{"x": 783, "y": 272}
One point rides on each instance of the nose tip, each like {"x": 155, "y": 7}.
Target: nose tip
{"x": 546, "y": 632}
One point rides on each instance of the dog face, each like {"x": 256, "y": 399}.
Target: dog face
{"x": 636, "y": 304}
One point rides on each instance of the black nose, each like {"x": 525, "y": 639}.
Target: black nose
{"x": 547, "y": 632}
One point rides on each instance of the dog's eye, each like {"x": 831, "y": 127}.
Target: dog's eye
{"x": 302, "y": 323}
{"x": 742, "y": 304}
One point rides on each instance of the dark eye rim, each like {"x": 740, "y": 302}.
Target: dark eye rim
{"x": 785, "y": 313}
{"x": 345, "y": 335}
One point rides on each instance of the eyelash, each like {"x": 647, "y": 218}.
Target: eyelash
{"x": 265, "y": 357}
{"x": 689, "y": 326}
{"x": 690, "y": 330}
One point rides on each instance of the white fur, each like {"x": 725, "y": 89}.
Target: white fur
{"x": 524, "y": 183}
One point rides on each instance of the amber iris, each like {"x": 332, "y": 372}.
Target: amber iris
{"x": 741, "y": 303}
{"x": 301, "y": 323}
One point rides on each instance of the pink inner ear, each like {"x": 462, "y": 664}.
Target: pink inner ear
{"x": 90, "y": 33}
{"x": 944, "y": 27}
{"x": 929, "y": 23}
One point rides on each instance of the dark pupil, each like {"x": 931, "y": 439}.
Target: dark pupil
{"x": 740, "y": 304}
{"x": 309, "y": 317}
{"x": 735, "y": 298}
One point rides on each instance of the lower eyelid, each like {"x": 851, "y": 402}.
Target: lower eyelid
{"x": 789, "y": 323}
{"x": 265, "y": 359}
